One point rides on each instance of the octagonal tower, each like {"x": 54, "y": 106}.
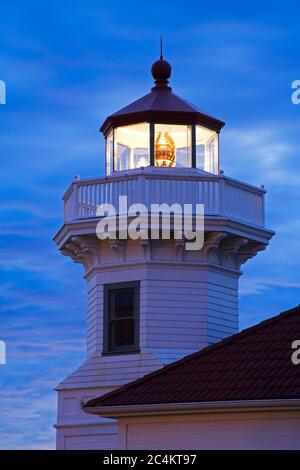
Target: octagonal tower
{"x": 152, "y": 301}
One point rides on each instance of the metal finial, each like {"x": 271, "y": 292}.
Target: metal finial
{"x": 161, "y": 70}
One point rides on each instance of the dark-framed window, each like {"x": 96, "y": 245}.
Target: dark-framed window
{"x": 121, "y": 317}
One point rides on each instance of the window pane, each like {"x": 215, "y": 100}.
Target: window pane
{"x": 132, "y": 146}
{"x": 123, "y": 157}
{"x": 123, "y": 305}
{"x": 172, "y": 145}
{"x": 122, "y": 315}
{"x": 109, "y": 154}
{"x": 206, "y": 150}
{"x": 123, "y": 332}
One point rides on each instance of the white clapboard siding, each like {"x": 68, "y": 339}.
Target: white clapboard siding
{"x": 107, "y": 371}
{"x": 90, "y": 437}
{"x": 94, "y": 317}
{"x": 256, "y": 430}
{"x": 181, "y": 311}
{"x": 187, "y": 313}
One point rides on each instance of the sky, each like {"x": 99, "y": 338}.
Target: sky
{"x": 69, "y": 64}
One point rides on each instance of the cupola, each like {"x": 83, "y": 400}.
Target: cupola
{"x": 161, "y": 130}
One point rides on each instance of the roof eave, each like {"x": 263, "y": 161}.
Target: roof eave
{"x": 170, "y": 117}
{"x": 191, "y": 408}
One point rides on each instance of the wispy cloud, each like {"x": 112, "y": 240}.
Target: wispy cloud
{"x": 260, "y": 285}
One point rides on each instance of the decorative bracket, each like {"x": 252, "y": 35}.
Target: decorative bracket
{"x": 249, "y": 251}
{"x": 179, "y": 249}
{"x": 83, "y": 250}
{"x": 119, "y": 247}
{"x": 146, "y": 244}
{"x": 231, "y": 247}
{"x": 212, "y": 242}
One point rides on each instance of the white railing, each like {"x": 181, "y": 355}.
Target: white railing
{"x": 221, "y": 196}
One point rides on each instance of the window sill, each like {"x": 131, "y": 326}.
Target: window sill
{"x": 116, "y": 353}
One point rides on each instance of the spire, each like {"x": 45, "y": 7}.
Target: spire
{"x": 161, "y": 70}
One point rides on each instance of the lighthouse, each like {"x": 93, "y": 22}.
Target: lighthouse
{"x": 151, "y": 300}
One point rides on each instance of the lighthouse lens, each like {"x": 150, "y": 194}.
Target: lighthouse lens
{"x": 173, "y": 145}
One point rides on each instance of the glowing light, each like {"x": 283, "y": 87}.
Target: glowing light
{"x": 164, "y": 150}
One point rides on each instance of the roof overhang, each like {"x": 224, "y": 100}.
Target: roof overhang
{"x": 168, "y": 117}
{"x": 87, "y": 226}
{"x": 193, "y": 408}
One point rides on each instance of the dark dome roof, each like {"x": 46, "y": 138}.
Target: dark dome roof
{"x": 161, "y": 105}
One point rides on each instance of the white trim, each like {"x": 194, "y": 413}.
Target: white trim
{"x": 158, "y": 172}
{"x": 87, "y": 226}
{"x": 194, "y": 407}
{"x": 85, "y": 424}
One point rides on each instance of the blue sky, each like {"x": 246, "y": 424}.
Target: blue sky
{"x": 67, "y": 65}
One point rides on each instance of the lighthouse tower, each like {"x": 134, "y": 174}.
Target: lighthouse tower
{"x": 152, "y": 301}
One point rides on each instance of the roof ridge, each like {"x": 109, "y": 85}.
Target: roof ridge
{"x": 203, "y": 352}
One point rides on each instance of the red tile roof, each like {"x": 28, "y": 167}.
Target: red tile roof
{"x": 254, "y": 364}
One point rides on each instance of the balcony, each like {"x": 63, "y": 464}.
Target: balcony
{"x": 222, "y": 196}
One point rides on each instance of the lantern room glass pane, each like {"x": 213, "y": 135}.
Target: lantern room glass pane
{"x": 132, "y": 146}
{"x": 172, "y": 145}
{"x": 109, "y": 154}
{"x": 207, "y": 157}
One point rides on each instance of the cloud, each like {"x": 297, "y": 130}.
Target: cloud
{"x": 260, "y": 285}
{"x": 27, "y": 405}
{"x": 269, "y": 149}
